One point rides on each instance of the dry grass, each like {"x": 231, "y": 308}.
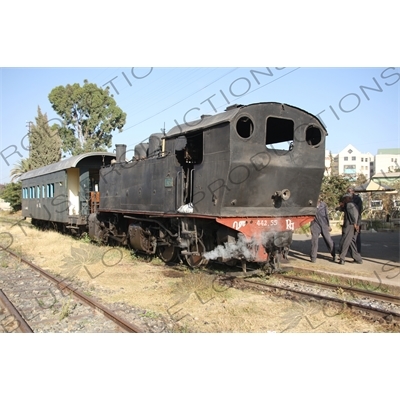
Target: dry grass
{"x": 195, "y": 302}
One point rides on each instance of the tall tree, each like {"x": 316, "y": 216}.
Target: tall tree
{"x": 333, "y": 188}
{"x": 20, "y": 167}
{"x": 44, "y": 141}
{"x": 90, "y": 115}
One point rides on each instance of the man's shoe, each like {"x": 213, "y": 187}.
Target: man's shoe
{"x": 313, "y": 261}
{"x": 333, "y": 257}
{"x": 341, "y": 262}
{"x": 359, "y": 262}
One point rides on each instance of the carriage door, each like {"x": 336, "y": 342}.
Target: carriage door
{"x": 73, "y": 190}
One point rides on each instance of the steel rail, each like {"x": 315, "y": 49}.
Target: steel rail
{"x": 327, "y": 298}
{"x": 22, "y": 324}
{"x": 127, "y": 326}
{"x": 368, "y": 293}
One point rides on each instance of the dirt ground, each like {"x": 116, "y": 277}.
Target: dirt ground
{"x": 193, "y": 301}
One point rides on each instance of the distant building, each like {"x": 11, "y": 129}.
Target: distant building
{"x": 387, "y": 160}
{"x": 328, "y": 163}
{"x": 390, "y": 179}
{"x": 387, "y": 178}
{"x": 350, "y": 162}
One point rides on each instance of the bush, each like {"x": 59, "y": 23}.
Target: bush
{"x": 11, "y": 193}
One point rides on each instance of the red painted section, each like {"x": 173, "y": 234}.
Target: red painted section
{"x": 252, "y": 227}
{"x": 255, "y": 228}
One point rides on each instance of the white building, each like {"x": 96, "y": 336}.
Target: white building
{"x": 387, "y": 160}
{"x": 328, "y": 166}
{"x": 351, "y": 162}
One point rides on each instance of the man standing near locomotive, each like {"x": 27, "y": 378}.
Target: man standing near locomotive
{"x": 359, "y": 204}
{"x": 321, "y": 226}
{"x": 349, "y": 231}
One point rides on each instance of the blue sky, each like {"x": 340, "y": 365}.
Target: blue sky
{"x": 213, "y": 46}
{"x": 154, "y": 97}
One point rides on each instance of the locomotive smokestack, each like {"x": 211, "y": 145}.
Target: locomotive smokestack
{"x": 120, "y": 153}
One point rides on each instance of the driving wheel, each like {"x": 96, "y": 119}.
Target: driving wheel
{"x": 196, "y": 259}
{"x": 167, "y": 253}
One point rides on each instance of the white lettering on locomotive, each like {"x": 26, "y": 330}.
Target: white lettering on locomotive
{"x": 289, "y": 225}
{"x": 238, "y": 224}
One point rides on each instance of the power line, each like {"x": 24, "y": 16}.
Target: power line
{"x": 180, "y": 101}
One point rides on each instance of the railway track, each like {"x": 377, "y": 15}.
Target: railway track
{"x": 38, "y": 301}
{"x": 10, "y": 318}
{"x": 58, "y": 297}
{"x": 369, "y": 303}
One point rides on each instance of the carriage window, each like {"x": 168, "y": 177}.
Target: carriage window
{"x": 50, "y": 190}
{"x": 280, "y": 133}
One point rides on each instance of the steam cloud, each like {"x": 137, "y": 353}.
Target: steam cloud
{"x": 241, "y": 248}
{"x": 244, "y": 247}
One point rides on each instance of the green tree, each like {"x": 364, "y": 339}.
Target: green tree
{"x": 361, "y": 179}
{"x": 11, "y": 193}
{"x": 20, "y": 167}
{"x": 44, "y": 141}
{"x": 90, "y": 115}
{"x": 332, "y": 189}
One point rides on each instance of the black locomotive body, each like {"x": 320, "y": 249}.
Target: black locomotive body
{"x": 230, "y": 187}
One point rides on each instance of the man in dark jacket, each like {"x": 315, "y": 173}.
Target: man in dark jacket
{"x": 359, "y": 204}
{"x": 349, "y": 231}
{"x": 320, "y": 226}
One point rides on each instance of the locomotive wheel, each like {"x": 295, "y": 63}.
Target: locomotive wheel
{"x": 194, "y": 260}
{"x": 167, "y": 253}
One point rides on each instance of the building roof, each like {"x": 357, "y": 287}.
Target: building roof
{"x": 389, "y": 175}
{"x": 394, "y": 151}
{"x": 70, "y": 162}
{"x": 373, "y": 186}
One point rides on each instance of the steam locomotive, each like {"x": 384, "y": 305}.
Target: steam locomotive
{"x": 231, "y": 187}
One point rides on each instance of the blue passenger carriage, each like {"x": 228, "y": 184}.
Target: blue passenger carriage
{"x": 59, "y": 194}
